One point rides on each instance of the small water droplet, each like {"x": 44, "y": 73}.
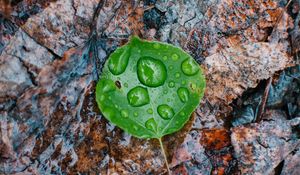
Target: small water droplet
{"x": 109, "y": 97}
{"x": 181, "y": 113}
{"x": 126, "y": 84}
{"x": 124, "y": 113}
{"x": 138, "y": 96}
{"x": 139, "y": 51}
{"x": 151, "y": 124}
{"x": 177, "y": 74}
{"x": 150, "y": 111}
{"x": 183, "y": 94}
{"x": 189, "y": 67}
{"x": 135, "y": 128}
{"x": 165, "y": 91}
{"x": 171, "y": 67}
{"x": 171, "y": 84}
{"x": 168, "y": 99}
{"x": 135, "y": 114}
{"x": 165, "y": 58}
{"x": 183, "y": 82}
{"x": 175, "y": 57}
{"x": 102, "y": 97}
{"x": 165, "y": 111}
{"x": 151, "y": 72}
{"x": 156, "y": 45}
{"x": 116, "y": 106}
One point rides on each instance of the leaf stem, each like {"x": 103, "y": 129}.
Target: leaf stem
{"x": 164, "y": 154}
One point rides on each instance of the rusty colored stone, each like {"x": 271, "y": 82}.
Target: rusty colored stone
{"x": 50, "y": 123}
{"x": 260, "y": 147}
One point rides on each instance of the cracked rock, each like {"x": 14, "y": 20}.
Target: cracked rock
{"x": 62, "y": 25}
{"x": 260, "y": 147}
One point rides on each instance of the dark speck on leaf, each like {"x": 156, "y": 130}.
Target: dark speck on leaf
{"x": 118, "y": 84}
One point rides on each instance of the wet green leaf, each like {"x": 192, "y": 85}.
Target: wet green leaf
{"x": 149, "y": 89}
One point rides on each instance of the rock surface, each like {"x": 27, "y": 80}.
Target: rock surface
{"x": 51, "y": 56}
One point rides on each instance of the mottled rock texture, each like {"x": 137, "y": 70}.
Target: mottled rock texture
{"x": 51, "y": 56}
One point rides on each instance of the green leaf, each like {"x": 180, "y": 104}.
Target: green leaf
{"x": 149, "y": 89}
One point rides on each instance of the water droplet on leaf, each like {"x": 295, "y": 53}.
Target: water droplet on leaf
{"x": 189, "y": 67}
{"x": 102, "y": 97}
{"x": 183, "y": 94}
{"x": 118, "y": 60}
{"x": 138, "y": 96}
{"x": 107, "y": 86}
{"x": 150, "y": 111}
{"x": 165, "y": 111}
{"x": 171, "y": 84}
{"x": 177, "y": 74}
{"x": 175, "y": 57}
{"x": 151, "y": 124}
{"x": 124, "y": 113}
{"x": 151, "y": 72}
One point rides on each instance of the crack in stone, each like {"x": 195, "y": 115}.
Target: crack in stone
{"x": 25, "y": 65}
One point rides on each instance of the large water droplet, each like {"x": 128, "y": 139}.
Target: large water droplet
{"x": 151, "y": 72}
{"x": 107, "y": 85}
{"x": 151, "y": 124}
{"x": 189, "y": 67}
{"x": 165, "y": 111}
{"x": 183, "y": 94}
{"x": 118, "y": 60}
{"x": 124, "y": 113}
{"x": 138, "y": 96}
